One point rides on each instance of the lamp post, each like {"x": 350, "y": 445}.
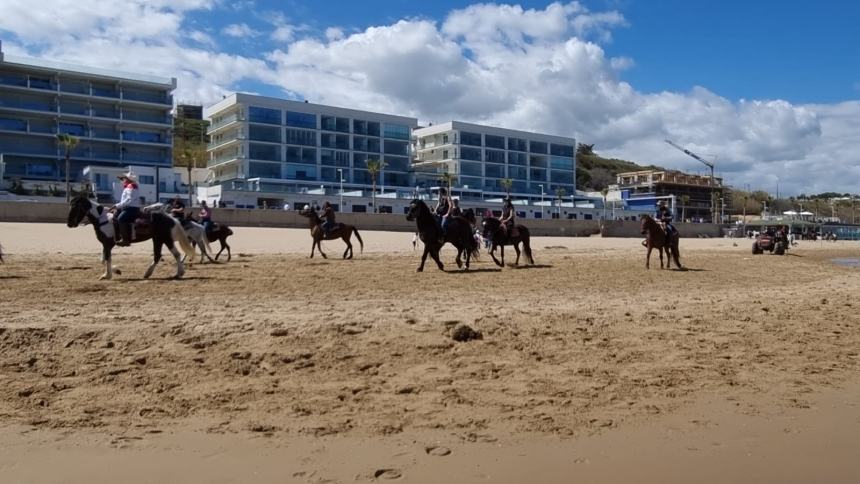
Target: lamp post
{"x": 541, "y": 201}
{"x": 340, "y": 175}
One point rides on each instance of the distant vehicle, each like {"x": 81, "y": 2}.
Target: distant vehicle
{"x": 773, "y": 239}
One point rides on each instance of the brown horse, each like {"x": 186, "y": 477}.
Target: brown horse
{"x": 655, "y": 238}
{"x": 342, "y": 231}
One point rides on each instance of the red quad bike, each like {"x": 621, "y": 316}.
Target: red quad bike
{"x": 771, "y": 239}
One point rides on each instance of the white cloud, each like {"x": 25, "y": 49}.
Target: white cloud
{"x": 532, "y": 69}
{"x": 239, "y": 31}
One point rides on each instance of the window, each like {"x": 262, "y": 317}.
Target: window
{"x": 561, "y": 150}
{"x": 494, "y": 141}
{"x": 445, "y": 154}
{"x": 300, "y": 172}
{"x": 538, "y": 175}
{"x": 495, "y": 156}
{"x": 264, "y": 133}
{"x": 494, "y": 171}
{"x": 396, "y": 131}
{"x": 466, "y": 182}
{"x": 328, "y": 174}
{"x": 264, "y": 170}
{"x": 445, "y": 139}
{"x": 516, "y": 158}
{"x": 538, "y": 161}
{"x": 373, "y": 145}
{"x": 301, "y": 155}
{"x": 518, "y": 172}
{"x": 331, "y": 123}
{"x": 361, "y": 176}
{"x": 470, "y": 153}
{"x": 396, "y": 163}
{"x": 264, "y": 115}
{"x": 516, "y": 144}
{"x": 471, "y": 139}
{"x": 73, "y": 129}
{"x": 257, "y": 151}
{"x": 396, "y": 147}
{"x": 537, "y": 147}
{"x": 565, "y": 177}
{"x": 12, "y": 124}
{"x": 397, "y": 179}
{"x": 336, "y": 158}
{"x": 559, "y": 163}
{"x": 470, "y": 169}
{"x": 301, "y": 137}
{"x": 373, "y": 128}
{"x": 146, "y": 179}
{"x": 359, "y": 126}
{"x": 301, "y": 120}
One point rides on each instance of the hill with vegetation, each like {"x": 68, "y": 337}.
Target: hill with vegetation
{"x": 594, "y": 172}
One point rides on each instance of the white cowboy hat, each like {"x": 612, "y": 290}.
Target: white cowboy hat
{"x": 307, "y": 207}
{"x": 130, "y": 176}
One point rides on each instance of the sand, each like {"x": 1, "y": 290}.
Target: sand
{"x": 278, "y": 368}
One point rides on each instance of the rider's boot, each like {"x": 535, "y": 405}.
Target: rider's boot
{"x": 124, "y": 235}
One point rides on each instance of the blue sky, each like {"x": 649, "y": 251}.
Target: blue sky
{"x": 771, "y": 89}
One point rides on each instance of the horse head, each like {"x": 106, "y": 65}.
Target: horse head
{"x": 469, "y": 214}
{"x": 78, "y": 209}
{"x": 307, "y": 211}
{"x": 491, "y": 226}
{"x": 646, "y": 222}
{"x": 415, "y": 209}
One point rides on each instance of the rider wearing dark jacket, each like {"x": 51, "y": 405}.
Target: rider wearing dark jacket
{"x": 508, "y": 215}
{"x": 328, "y": 218}
{"x": 664, "y": 216}
{"x": 442, "y": 209}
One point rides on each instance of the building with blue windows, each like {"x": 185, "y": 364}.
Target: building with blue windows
{"x": 480, "y": 157}
{"x": 263, "y": 148}
{"x": 119, "y": 119}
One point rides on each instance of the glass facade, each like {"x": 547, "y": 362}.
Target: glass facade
{"x": 471, "y": 139}
{"x": 257, "y": 114}
{"x": 270, "y": 134}
{"x": 301, "y": 120}
{"x": 396, "y": 131}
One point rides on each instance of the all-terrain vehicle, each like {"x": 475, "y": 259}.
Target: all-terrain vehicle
{"x": 773, "y": 239}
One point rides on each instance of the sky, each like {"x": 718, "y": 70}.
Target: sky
{"x": 768, "y": 90}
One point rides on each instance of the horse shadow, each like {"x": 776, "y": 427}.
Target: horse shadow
{"x": 472, "y": 270}
{"x": 532, "y": 266}
{"x": 169, "y": 278}
{"x": 689, "y": 269}
{"x": 10, "y": 276}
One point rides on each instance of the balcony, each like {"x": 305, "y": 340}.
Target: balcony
{"x": 223, "y": 158}
{"x": 230, "y": 119}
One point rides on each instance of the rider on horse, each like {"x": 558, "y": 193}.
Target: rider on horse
{"x": 129, "y": 208}
{"x": 508, "y": 215}
{"x": 177, "y": 209}
{"x": 329, "y": 223}
{"x": 206, "y": 217}
{"x": 443, "y": 207}
{"x": 664, "y": 216}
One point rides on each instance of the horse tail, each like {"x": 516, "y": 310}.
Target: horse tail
{"x": 527, "y": 246}
{"x": 360, "y": 242}
{"x": 472, "y": 245}
{"x": 676, "y": 251}
{"x": 179, "y": 235}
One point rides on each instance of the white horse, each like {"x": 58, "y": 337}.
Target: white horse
{"x": 193, "y": 230}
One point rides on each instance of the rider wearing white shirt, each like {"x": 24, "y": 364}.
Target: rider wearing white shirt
{"x": 129, "y": 208}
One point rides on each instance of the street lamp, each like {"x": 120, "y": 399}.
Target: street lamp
{"x": 541, "y": 201}
{"x": 340, "y": 175}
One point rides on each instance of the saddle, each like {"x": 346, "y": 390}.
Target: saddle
{"x": 141, "y": 225}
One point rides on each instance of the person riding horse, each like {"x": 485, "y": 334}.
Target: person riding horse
{"x": 328, "y": 218}
{"x": 664, "y": 216}
{"x": 508, "y": 216}
{"x": 128, "y": 207}
{"x": 177, "y": 209}
{"x": 206, "y": 217}
{"x": 443, "y": 206}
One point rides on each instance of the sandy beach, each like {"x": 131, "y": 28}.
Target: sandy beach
{"x": 279, "y": 368}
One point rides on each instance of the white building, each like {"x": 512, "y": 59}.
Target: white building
{"x": 480, "y": 157}
{"x": 155, "y": 184}
{"x": 263, "y": 148}
{"x": 118, "y": 118}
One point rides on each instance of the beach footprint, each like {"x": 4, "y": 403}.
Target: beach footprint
{"x": 437, "y": 450}
{"x": 388, "y": 474}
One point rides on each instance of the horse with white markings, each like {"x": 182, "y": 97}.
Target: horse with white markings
{"x": 161, "y": 228}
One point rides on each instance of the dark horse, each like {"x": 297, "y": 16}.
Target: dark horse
{"x": 341, "y": 231}
{"x": 656, "y": 238}
{"x": 458, "y": 234}
{"x": 500, "y": 238}
{"x": 218, "y": 232}
{"x": 162, "y": 229}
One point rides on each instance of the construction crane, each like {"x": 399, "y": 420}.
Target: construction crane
{"x": 710, "y": 183}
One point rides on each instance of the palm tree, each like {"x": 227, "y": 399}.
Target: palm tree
{"x": 189, "y": 154}
{"x": 447, "y": 179}
{"x": 374, "y": 166}
{"x": 68, "y": 142}
{"x": 559, "y": 195}
{"x": 685, "y": 199}
{"x": 507, "y": 183}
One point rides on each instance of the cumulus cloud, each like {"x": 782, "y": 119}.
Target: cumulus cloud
{"x": 239, "y": 31}
{"x": 539, "y": 69}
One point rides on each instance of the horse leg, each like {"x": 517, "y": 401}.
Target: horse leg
{"x": 313, "y": 247}
{"x": 156, "y": 256}
{"x": 319, "y": 247}
{"x": 348, "y": 250}
{"x": 502, "y": 249}
{"x": 459, "y": 259}
{"x": 106, "y": 250}
{"x": 660, "y": 251}
{"x": 517, "y": 250}
{"x": 424, "y": 257}
{"x": 493, "y": 255}
{"x": 435, "y": 255}
{"x": 648, "y": 257}
{"x": 180, "y": 267}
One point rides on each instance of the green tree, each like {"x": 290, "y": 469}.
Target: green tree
{"x": 189, "y": 155}
{"x": 448, "y": 179}
{"x": 374, "y": 167}
{"x": 604, "y": 192}
{"x": 559, "y": 195}
{"x": 507, "y": 183}
{"x": 584, "y": 149}
{"x": 68, "y": 142}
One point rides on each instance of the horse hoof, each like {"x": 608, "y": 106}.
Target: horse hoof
{"x": 420, "y": 269}
{"x": 104, "y": 277}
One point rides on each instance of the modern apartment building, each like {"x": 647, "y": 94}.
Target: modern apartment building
{"x": 270, "y": 147}
{"x": 480, "y": 157}
{"x": 119, "y": 119}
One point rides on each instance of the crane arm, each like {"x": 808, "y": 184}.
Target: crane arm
{"x": 691, "y": 154}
